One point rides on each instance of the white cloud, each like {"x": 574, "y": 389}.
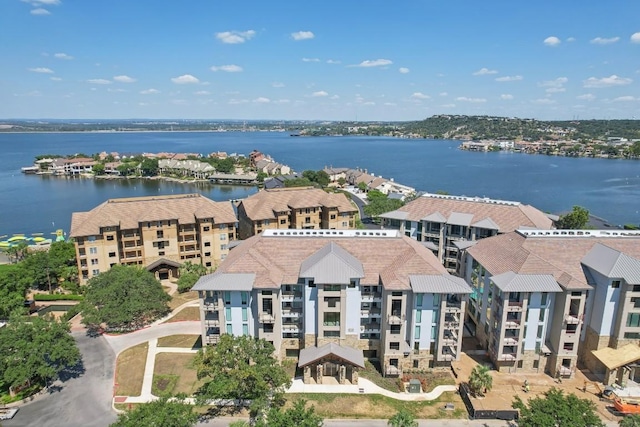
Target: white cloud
{"x": 55, "y": 79}
{"x": 116, "y": 90}
{"x": 555, "y": 90}
{"x": 586, "y": 96}
{"x": 543, "y": 101}
{"x": 44, "y": 2}
{"x": 448, "y": 105}
{"x": 185, "y": 79}
{"x": 302, "y": 35}
{"x": 420, "y": 95}
{"x": 571, "y": 39}
{"x": 369, "y": 103}
{"x": 32, "y": 93}
{"x": 508, "y": 78}
{"x": 277, "y": 84}
{"x": 612, "y": 80}
{"x": 319, "y": 93}
{"x": 62, "y": 56}
{"x": 149, "y": 91}
{"x": 552, "y": 41}
{"x": 262, "y": 100}
{"x": 390, "y": 104}
{"x": 484, "y": 71}
{"x": 40, "y": 11}
{"x": 231, "y": 68}
{"x": 403, "y": 70}
{"x": 235, "y": 37}
{"x": 124, "y": 79}
{"x": 554, "y": 83}
{"x": 333, "y": 61}
{"x": 281, "y": 101}
{"x": 99, "y": 81}
{"x": 472, "y": 100}
{"x": 374, "y": 63}
{"x": 234, "y": 101}
{"x": 604, "y": 40}
{"x": 625, "y": 99}
{"x": 310, "y": 60}
{"x": 334, "y": 97}
{"x": 443, "y": 94}
{"x": 506, "y": 96}
{"x": 43, "y": 70}
{"x": 635, "y": 38}
{"x": 179, "y": 102}
{"x": 202, "y": 92}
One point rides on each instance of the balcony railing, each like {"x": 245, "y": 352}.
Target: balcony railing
{"x": 512, "y": 324}
{"x": 572, "y": 319}
{"x": 266, "y": 318}
{"x": 370, "y": 296}
{"x": 370, "y": 312}
{"x": 212, "y": 339}
{"x": 395, "y": 319}
{"x": 393, "y": 371}
{"x": 291, "y": 313}
{"x": 513, "y": 305}
{"x": 508, "y": 357}
{"x": 451, "y": 325}
{"x": 212, "y": 322}
{"x": 288, "y": 296}
{"x": 510, "y": 341}
{"x": 370, "y": 327}
{"x": 210, "y": 304}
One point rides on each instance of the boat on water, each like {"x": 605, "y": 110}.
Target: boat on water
{"x": 36, "y": 239}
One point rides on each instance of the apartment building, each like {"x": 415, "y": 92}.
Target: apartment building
{"x": 546, "y": 301}
{"x": 449, "y": 224}
{"x": 332, "y": 297}
{"x": 157, "y": 232}
{"x": 295, "y": 207}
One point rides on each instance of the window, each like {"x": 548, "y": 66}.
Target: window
{"x": 283, "y": 221}
{"x": 332, "y": 334}
{"x": 633, "y": 320}
{"x": 94, "y": 261}
{"x": 93, "y": 250}
{"x": 542, "y": 313}
{"x": 159, "y": 234}
{"x": 227, "y": 314}
{"x": 433, "y": 333}
{"x": 207, "y": 264}
{"x": 292, "y": 352}
{"x": 416, "y": 364}
{"x": 307, "y": 220}
{"x": 206, "y": 228}
{"x": 112, "y": 254}
{"x": 91, "y": 238}
{"x": 568, "y": 346}
{"x": 536, "y": 364}
{"x": 312, "y": 284}
{"x": 331, "y": 319}
{"x": 543, "y": 299}
{"x": 227, "y": 297}
{"x": 632, "y": 335}
{"x": 229, "y": 329}
{"x": 245, "y": 329}
{"x": 418, "y": 316}
{"x": 207, "y": 244}
{"x": 436, "y": 300}
{"x": 416, "y": 334}
{"x": 331, "y": 288}
{"x": 245, "y": 297}
{"x": 419, "y": 299}
{"x": 223, "y": 237}
{"x": 268, "y": 328}
{"x": 394, "y": 346}
{"x": 95, "y": 272}
{"x": 110, "y": 237}
{"x": 434, "y": 316}
{"x": 615, "y": 284}
{"x": 333, "y": 216}
{"x": 395, "y": 329}
{"x": 223, "y": 226}
{"x": 223, "y": 247}
{"x": 352, "y": 283}
{"x": 332, "y": 302}
{"x": 207, "y": 254}
{"x": 540, "y": 329}
{"x": 245, "y": 314}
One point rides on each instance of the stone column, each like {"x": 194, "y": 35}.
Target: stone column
{"x": 307, "y": 375}
{"x": 354, "y": 376}
{"x": 342, "y": 373}
{"x": 319, "y": 374}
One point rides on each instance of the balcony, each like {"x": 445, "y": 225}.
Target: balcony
{"x": 212, "y": 339}
{"x": 513, "y": 305}
{"x": 448, "y": 354}
{"x": 508, "y": 357}
{"x": 453, "y": 306}
{"x": 370, "y": 296}
{"x": 210, "y": 304}
{"x": 370, "y": 312}
{"x": 512, "y": 324}
{"x": 211, "y": 322}
{"x": 510, "y": 340}
{"x": 291, "y": 329}
{"x": 450, "y": 339}
{"x": 572, "y": 319}
{"x": 396, "y": 319}
{"x": 392, "y": 371}
{"x": 266, "y": 317}
{"x": 370, "y": 327}
{"x": 295, "y": 313}
{"x": 290, "y": 296}
{"x": 452, "y": 325}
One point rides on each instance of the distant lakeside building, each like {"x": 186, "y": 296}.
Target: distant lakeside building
{"x": 449, "y": 224}
{"x": 296, "y": 208}
{"x": 158, "y": 233}
{"x": 332, "y": 297}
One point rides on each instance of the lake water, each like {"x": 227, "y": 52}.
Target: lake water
{"x": 29, "y": 203}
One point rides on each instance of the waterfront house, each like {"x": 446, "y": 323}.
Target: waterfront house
{"x": 346, "y": 293}
{"x": 158, "y": 233}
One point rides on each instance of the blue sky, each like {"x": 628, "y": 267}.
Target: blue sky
{"x": 331, "y": 60}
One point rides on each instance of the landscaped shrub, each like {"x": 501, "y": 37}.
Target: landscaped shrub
{"x": 58, "y": 297}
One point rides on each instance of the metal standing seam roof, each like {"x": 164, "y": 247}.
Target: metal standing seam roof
{"x": 332, "y": 264}
{"x": 311, "y": 354}
{"x": 395, "y": 215}
{"x": 458, "y": 218}
{"x": 464, "y": 244}
{"x": 225, "y": 282}
{"x": 443, "y": 284}
{"x": 512, "y": 282}
{"x": 430, "y": 245}
{"x": 487, "y": 223}
{"x": 434, "y": 217}
{"x": 612, "y": 263}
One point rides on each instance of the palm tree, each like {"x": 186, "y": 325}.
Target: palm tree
{"x": 630, "y": 421}
{"x": 402, "y": 418}
{"x": 480, "y": 380}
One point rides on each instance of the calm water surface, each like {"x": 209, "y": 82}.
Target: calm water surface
{"x": 29, "y": 204}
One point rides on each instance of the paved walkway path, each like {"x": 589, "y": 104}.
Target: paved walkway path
{"x": 121, "y": 342}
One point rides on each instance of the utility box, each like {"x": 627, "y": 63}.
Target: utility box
{"x": 415, "y": 386}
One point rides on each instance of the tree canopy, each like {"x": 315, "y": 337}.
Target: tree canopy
{"x": 123, "y": 298}
{"x": 241, "y": 367}
{"x": 632, "y": 420}
{"x": 13, "y": 288}
{"x": 189, "y": 275}
{"x": 480, "y": 380}
{"x": 557, "y": 409}
{"x": 34, "y": 349}
{"x": 297, "y": 416}
{"x": 577, "y": 219}
{"x": 174, "y": 412}
{"x": 380, "y": 203}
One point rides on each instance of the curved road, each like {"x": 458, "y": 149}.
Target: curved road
{"x": 80, "y": 398}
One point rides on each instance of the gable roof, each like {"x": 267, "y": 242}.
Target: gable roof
{"x": 612, "y": 263}
{"x": 332, "y": 264}
{"x": 128, "y": 213}
{"x": 443, "y": 284}
{"x": 225, "y": 282}
{"x": 503, "y": 216}
{"x": 512, "y": 282}
{"x": 312, "y": 354}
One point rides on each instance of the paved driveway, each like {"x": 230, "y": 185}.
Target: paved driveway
{"x": 82, "y": 398}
